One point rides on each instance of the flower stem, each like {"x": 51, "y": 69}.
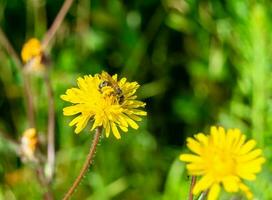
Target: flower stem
{"x": 29, "y": 100}
{"x": 4, "y": 41}
{"x": 47, "y": 195}
{"x": 86, "y": 165}
{"x": 193, "y": 182}
{"x": 59, "y": 18}
{"x": 51, "y": 128}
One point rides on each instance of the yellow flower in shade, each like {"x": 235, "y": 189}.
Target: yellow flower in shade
{"x": 106, "y": 101}
{"x": 32, "y": 54}
{"x": 29, "y": 143}
{"x": 223, "y": 158}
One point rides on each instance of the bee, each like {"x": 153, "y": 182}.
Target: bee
{"x": 107, "y": 80}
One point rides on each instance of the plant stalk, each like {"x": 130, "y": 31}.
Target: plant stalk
{"x": 86, "y": 165}
{"x": 50, "y": 128}
{"x": 26, "y": 80}
{"x": 57, "y": 22}
{"x": 193, "y": 182}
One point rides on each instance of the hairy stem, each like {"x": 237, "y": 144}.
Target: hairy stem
{"x": 53, "y": 29}
{"x": 193, "y": 182}
{"x": 86, "y": 165}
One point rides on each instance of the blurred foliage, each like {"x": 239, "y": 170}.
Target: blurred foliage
{"x": 199, "y": 63}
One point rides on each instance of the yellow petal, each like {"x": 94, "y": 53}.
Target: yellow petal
{"x": 195, "y": 172}
{"x": 214, "y": 135}
{"x": 115, "y": 130}
{"x": 246, "y": 190}
{"x": 97, "y": 122}
{"x": 233, "y": 137}
{"x": 245, "y": 170}
{"x": 248, "y": 146}
{"x": 114, "y": 77}
{"x": 135, "y": 117}
{"x": 73, "y": 95}
{"x": 123, "y": 121}
{"x": 132, "y": 123}
{"x": 221, "y": 136}
{"x": 123, "y": 128}
{"x": 250, "y": 156}
{"x": 214, "y": 192}
{"x": 203, "y": 139}
{"x": 231, "y": 183}
{"x": 82, "y": 83}
{"x": 246, "y": 175}
{"x": 194, "y": 146}
{"x": 122, "y": 81}
{"x": 190, "y": 158}
{"x": 72, "y": 110}
{"x": 229, "y": 138}
{"x": 82, "y": 123}
{"x": 75, "y": 120}
{"x": 139, "y": 112}
{"x": 204, "y": 183}
{"x": 107, "y": 129}
{"x": 238, "y": 140}
{"x": 195, "y": 168}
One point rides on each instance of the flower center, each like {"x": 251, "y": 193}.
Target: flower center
{"x": 111, "y": 90}
{"x": 221, "y": 162}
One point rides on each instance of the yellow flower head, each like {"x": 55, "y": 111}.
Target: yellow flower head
{"x": 29, "y": 143}
{"x": 222, "y": 158}
{"x": 32, "y": 54}
{"x": 106, "y": 101}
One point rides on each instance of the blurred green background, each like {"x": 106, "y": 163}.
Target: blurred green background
{"x": 199, "y": 63}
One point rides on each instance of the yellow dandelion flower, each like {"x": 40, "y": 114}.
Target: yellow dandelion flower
{"x": 31, "y": 49}
{"x": 32, "y": 54}
{"x": 106, "y": 101}
{"x": 29, "y": 143}
{"x": 223, "y": 158}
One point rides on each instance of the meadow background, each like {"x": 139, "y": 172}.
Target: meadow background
{"x": 199, "y": 63}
